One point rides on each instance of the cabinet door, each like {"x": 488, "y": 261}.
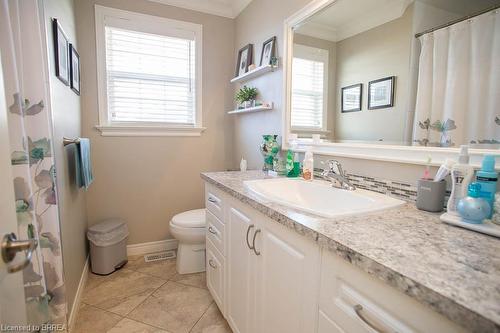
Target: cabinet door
{"x": 287, "y": 280}
{"x": 240, "y": 292}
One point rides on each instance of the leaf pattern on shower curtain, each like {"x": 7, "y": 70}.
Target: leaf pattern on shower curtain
{"x": 33, "y": 172}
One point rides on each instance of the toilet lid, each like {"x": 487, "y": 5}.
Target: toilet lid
{"x": 190, "y": 219}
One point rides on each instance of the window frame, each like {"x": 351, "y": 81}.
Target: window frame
{"x": 320, "y": 55}
{"x": 105, "y": 16}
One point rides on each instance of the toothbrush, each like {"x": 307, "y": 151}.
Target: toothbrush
{"x": 427, "y": 172}
{"x": 444, "y": 170}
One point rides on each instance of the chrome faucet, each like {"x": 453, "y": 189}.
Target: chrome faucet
{"x": 336, "y": 175}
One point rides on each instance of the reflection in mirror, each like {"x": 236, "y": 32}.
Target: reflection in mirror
{"x": 399, "y": 72}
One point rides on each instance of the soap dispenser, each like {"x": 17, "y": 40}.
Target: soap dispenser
{"x": 474, "y": 209}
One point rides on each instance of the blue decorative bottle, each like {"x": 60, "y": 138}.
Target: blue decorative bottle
{"x": 472, "y": 208}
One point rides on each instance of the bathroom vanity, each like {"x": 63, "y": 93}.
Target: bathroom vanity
{"x": 273, "y": 268}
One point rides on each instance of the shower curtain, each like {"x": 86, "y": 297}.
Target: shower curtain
{"x": 458, "y": 94}
{"x": 33, "y": 174}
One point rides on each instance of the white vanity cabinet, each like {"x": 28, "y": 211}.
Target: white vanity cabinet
{"x": 272, "y": 274}
{"x": 267, "y": 278}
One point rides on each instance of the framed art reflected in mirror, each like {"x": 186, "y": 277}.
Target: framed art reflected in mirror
{"x": 352, "y": 98}
{"x": 381, "y": 93}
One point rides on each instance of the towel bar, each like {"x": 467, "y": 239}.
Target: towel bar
{"x": 68, "y": 141}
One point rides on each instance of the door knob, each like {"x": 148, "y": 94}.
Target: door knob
{"x": 10, "y": 246}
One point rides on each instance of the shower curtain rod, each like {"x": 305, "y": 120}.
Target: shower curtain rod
{"x": 456, "y": 21}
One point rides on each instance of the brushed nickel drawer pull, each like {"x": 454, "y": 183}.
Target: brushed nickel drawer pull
{"x": 211, "y": 263}
{"x": 212, "y": 200}
{"x": 358, "y": 308}
{"x": 248, "y": 232}
{"x": 253, "y": 242}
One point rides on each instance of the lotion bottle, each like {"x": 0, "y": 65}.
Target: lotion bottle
{"x": 487, "y": 177}
{"x": 308, "y": 166}
{"x": 461, "y": 176}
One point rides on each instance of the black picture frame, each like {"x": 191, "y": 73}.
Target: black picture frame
{"x": 242, "y": 67}
{"x": 344, "y": 91}
{"x": 74, "y": 65}
{"x": 61, "y": 52}
{"x": 389, "y": 96}
{"x": 268, "y": 52}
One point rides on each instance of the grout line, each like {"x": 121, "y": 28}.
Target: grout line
{"x": 150, "y": 295}
{"x": 206, "y": 310}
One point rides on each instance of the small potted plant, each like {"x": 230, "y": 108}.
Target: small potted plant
{"x": 246, "y": 97}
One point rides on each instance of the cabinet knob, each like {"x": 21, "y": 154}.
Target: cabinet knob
{"x": 211, "y": 263}
{"x": 212, "y": 231}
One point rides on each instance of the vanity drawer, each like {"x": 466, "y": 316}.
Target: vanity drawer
{"x": 215, "y": 231}
{"x": 352, "y": 301}
{"x": 215, "y": 275}
{"x": 214, "y": 201}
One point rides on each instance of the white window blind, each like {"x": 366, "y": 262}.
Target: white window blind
{"x": 307, "y": 93}
{"x": 150, "y": 78}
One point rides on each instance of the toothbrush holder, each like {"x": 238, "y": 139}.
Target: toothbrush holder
{"x": 430, "y": 195}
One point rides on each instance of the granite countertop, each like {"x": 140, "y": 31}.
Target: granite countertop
{"x": 454, "y": 271}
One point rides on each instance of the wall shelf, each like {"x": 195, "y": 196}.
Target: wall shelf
{"x": 252, "y": 109}
{"x": 254, "y": 73}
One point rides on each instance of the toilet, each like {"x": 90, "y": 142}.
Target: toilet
{"x": 189, "y": 229}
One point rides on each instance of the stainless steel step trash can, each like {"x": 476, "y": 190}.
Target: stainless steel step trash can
{"x": 108, "y": 246}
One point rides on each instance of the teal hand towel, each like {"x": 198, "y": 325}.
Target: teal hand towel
{"x": 83, "y": 164}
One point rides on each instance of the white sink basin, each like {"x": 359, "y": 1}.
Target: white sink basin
{"x": 319, "y": 197}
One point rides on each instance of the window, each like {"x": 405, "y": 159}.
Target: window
{"x": 149, "y": 74}
{"x": 309, "y": 88}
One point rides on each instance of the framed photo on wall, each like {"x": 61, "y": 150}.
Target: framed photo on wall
{"x": 351, "y": 98}
{"x": 381, "y": 93}
{"x": 268, "y": 49}
{"x": 245, "y": 57}
{"x": 61, "y": 52}
{"x": 74, "y": 65}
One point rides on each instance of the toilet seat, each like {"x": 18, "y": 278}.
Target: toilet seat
{"x": 191, "y": 219}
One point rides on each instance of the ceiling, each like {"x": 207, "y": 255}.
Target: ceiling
{"x": 347, "y": 18}
{"x": 226, "y": 8}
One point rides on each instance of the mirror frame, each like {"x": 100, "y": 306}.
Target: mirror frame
{"x": 388, "y": 153}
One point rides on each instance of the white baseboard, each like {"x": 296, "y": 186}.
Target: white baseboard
{"x": 151, "y": 247}
{"x": 79, "y": 292}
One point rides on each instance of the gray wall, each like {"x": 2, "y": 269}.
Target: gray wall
{"x": 379, "y": 52}
{"x": 261, "y": 20}
{"x": 146, "y": 180}
{"x": 66, "y": 118}
{"x": 270, "y": 16}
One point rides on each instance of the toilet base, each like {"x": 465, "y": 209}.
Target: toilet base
{"x": 190, "y": 258}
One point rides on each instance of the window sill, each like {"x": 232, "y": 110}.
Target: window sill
{"x": 310, "y": 130}
{"x": 132, "y": 130}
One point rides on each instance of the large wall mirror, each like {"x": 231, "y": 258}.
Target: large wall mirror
{"x": 419, "y": 73}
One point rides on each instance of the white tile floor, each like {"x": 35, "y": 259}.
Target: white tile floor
{"x": 148, "y": 297}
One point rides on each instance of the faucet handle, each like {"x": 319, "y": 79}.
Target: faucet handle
{"x": 336, "y": 167}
